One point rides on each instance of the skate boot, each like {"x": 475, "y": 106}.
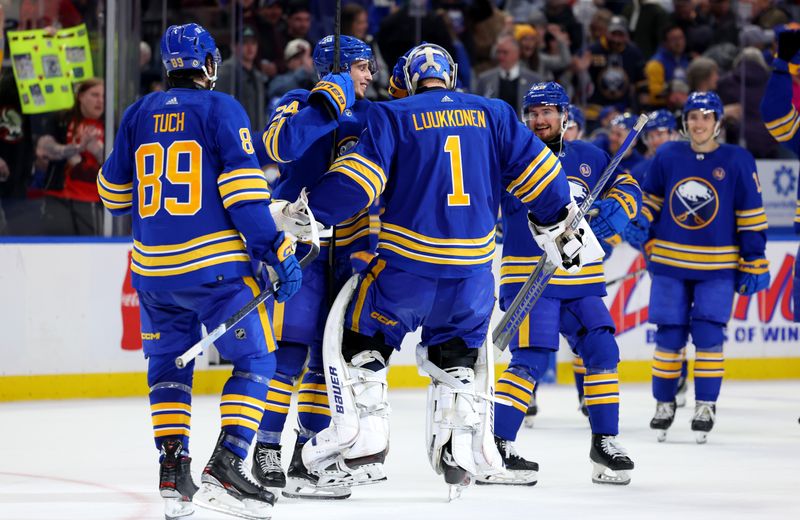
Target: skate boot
{"x": 611, "y": 464}
{"x": 267, "y": 468}
{"x": 303, "y": 484}
{"x": 680, "y": 397}
{"x": 662, "y": 420}
{"x": 228, "y": 487}
{"x": 703, "y": 420}
{"x": 533, "y": 409}
{"x": 175, "y": 480}
{"x": 455, "y": 476}
{"x": 518, "y": 471}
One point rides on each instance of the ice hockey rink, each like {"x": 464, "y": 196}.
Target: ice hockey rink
{"x": 94, "y": 459}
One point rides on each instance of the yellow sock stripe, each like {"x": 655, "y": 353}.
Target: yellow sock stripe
{"x": 518, "y": 381}
{"x": 274, "y": 397}
{"x": 518, "y": 397}
{"x": 277, "y": 408}
{"x": 314, "y": 409}
{"x": 241, "y": 421}
{"x": 601, "y": 389}
{"x": 709, "y": 364}
{"x": 170, "y": 432}
{"x": 277, "y": 384}
{"x": 171, "y": 418}
{"x": 160, "y": 407}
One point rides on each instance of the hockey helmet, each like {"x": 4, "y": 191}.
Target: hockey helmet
{"x": 705, "y": 102}
{"x": 660, "y": 119}
{"x": 576, "y": 116}
{"x": 185, "y": 47}
{"x": 350, "y": 50}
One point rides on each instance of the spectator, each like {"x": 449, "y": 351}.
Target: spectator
{"x": 616, "y": 69}
{"x": 702, "y": 75}
{"x": 723, "y": 23}
{"x": 766, "y": 13}
{"x": 598, "y": 26}
{"x": 677, "y": 94}
{"x": 532, "y": 56}
{"x": 300, "y": 73}
{"x": 355, "y": 22}
{"x": 298, "y": 21}
{"x": 271, "y": 28}
{"x": 648, "y": 21}
{"x": 398, "y": 33}
{"x": 670, "y": 62}
{"x": 559, "y": 12}
{"x": 696, "y": 27}
{"x": 72, "y": 156}
{"x": 239, "y": 77}
{"x": 749, "y": 76}
{"x": 510, "y": 80}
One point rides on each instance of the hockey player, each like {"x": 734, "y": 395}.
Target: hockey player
{"x": 571, "y": 305}
{"x": 659, "y": 129}
{"x": 575, "y": 124}
{"x": 184, "y": 166}
{"x": 618, "y": 130}
{"x": 703, "y": 201}
{"x": 300, "y": 137}
{"x": 440, "y": 158}
{"x": 781, "y": 117}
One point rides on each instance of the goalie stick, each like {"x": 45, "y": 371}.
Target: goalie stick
{"x": 537, "y": 281}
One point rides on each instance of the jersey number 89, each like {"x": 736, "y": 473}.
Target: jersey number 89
{"x": 150, "y": 167}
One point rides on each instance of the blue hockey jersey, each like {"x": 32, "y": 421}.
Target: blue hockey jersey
{"x": 705, "y": 209}
{"x": 781, "y": 117}
{"x": 299, "y": 138}
{"x": 184, "y": 165}
{"x": 440, "y": 159}
{"x": 583, "y": 163}
{"x": 639, "y": 170}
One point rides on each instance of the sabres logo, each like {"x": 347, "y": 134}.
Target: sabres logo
{"x": 718, "y": 173}
{"x": 347, "y": 144}
{"x": 693, "y": 203}
{"x": 585, "y": 169}
{"x": 578, "y": 189}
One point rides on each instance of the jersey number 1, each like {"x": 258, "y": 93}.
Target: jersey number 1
{"x": 452, "y": 146}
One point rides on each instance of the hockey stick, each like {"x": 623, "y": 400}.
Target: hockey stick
{"x": 337, "y": 65}
{"x": 537, "y": 281}
{"x": 626, "y": 277}
{"x": 184, "y": 359}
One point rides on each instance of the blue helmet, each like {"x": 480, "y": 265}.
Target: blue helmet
{"x": 185, "y": 47}
{"x": 429, "y": 61}
{"x": 660, "y": 119}
{"x": 350, "y": 50}
{"x": 576, "y": 115}
{"x": 704, "y": 101}
{"x": 626, "y": 120}
{"x": 550, "y": 93}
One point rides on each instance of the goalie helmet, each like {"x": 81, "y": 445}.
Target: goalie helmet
{"x": 350, "y": 50}
{"x": 186, "y": 47}
{"x": 429, "y": 61}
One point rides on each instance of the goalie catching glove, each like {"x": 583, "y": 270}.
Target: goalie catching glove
{"x": 293, "y": 217}
{"x": 567, "y": 249}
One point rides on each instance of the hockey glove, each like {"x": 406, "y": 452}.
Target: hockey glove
{"x": 637, "y": 231}
{"x": 611, "y": 219}
{"x": 282, "y": 260}
{"x": 561, "y": 245}
{"x": 752, "y": 276}
{"x": 788, "y": 59}
{"x": 335, "y": 92}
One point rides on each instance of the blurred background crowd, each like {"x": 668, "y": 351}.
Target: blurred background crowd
{"x": 612, "y": 56}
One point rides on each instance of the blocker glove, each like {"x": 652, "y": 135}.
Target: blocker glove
{"x": 282, "y": 260}
{"x": 335, "y": 92}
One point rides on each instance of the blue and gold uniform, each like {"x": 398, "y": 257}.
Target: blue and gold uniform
{"x": 299, "y": 138}
{"x": 783, "y": 121}
{"x": 184, "y": 167}
{"x": 571, "y": 304}
{"x": 439, "y": 159}
{"x": 708, "y": 226}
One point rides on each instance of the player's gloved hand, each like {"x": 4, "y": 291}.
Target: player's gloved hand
{"x": 293, "y": 217}
{"x": 752, "y": 276}
{"x": 287, "y": 269}
{"x": 637, "y": 231}
{"x": 335, "y": 92}
{"x": 397, "y": 83}
{"x": 611, "y": 219}
{"x": 561, "y": 245}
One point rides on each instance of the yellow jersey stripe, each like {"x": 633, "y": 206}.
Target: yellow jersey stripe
{"x": 110, "y": 186}
{"x": 432, "y": 259}
{"x": 465, "y": 242}
{"x": 532, "y": 167}
{"x": 177, "y": 248}
{"x": 172, "y": 260}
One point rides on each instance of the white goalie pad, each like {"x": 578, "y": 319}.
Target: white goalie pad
{"x": 460, "y": 415}
{"x": 358, "y": 400}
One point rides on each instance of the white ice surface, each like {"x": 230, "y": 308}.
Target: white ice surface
{"x": 95, "y": 460}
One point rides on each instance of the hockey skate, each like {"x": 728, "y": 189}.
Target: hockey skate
{"x": 267, "y": 469}
{"x": 533, "y": 409}
{"x": 518, "y": 471}
{"x": 703, "y": 420}
{"x": 611, "y": 464}
{"x": 456, "y": 477}
{"x": 302, "y": 484}
{"x": 228, "y": 487}
{"x": 662, "y": 420}
{"x": 175, "y": 481}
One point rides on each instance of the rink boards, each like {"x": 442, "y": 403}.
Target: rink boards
{"x": 69, "y": 325}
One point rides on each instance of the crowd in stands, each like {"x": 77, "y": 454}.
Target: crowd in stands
{"x": 612, "y": 56}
